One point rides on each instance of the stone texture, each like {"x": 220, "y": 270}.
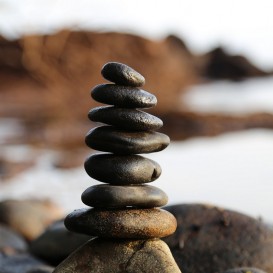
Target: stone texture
{"x": 56, "y": 243}
{"x": 127, "y": 223}
{"x": 122, "y": 74}
{"x": 110, "y": 139}
{"x": 119, "y": 256}
{"x": 109, "y": 196}
{"x": 18, "y": 263}
{"x": 123, "y": 96}
{"x": 11, "y": 240}
{"x": 122, "y": 169}
{"x": 29, "y": 217}
{"x": 213, "y": 239}
{"x": 130, "y": 119}
{"x": 244, "y": 270}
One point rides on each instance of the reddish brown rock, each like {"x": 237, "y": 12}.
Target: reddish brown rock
{"x": 126, "y": 223}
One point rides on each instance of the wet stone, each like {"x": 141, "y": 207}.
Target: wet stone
{"x": 123, "y": 96}
{"x": 130, "y": 119}
{"x": 122, "y": 169}
{"x": 110, "y": 139}
{"x": 122, "y": 74}
{"x": 127, "y": 223}
{"x": 109, "y": 196}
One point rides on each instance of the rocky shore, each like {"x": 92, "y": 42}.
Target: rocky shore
{"x": 208, "y": 239}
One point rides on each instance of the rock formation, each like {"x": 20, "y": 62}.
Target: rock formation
{"x": 124, "y": 215}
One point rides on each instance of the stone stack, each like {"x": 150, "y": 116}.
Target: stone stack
{"x": 124, "y": 215}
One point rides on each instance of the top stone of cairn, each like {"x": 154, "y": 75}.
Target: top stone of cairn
{"x": 122, "y": 74}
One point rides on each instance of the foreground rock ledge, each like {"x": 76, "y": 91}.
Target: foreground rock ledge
{"x": 119, "y": 256}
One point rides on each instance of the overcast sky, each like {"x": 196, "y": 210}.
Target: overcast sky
{"x": 243, "y": 26}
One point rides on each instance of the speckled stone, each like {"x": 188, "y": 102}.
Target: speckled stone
{"x": 120, "y": 256}
{"x": 122, "y": 74}
{"x": 109, "y": 196}
{"x": 130, "y": 119}
{"x": 123, "y": 96}
{"x": 244, "y": 270}
{"x": 110, "y": 139}
{"x": 122, "y": 169}
{"x": 127, "y": 223}
{"x": 214, "y": 239}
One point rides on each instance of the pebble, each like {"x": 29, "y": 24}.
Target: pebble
{"x": 214, "y": 239}
{"x": 122, "y": 74}
{"x": 29, "y": 217}
{"x": 130, "y": 119}
{"x": 126, "y": 223}
{"x": 110, "y": 139}
{"x": 122, "y": 169}
{"x": 123, "y": 96}
{"x": 56, "y": 243}
{"x": 120, "y": 256}
{"x": 109, "y": 196}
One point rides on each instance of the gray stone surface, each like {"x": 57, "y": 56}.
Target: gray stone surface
{"x": 18, "y": 263}
{"x": 110, "y": 139}
{"x": 122, "y": 74}
{"x": 41, "y": 269}
{"x": 56, "y": 243}
{"x": 120, "y": 256}
{"x": 110, "y": 196}
{"x": 213, "y": 239}
{"x": 126, "y": 223}
{"x": 124, "y": 118}
{"x": 123, "y": 96}
{"x": 122, "y": 169}
{"x": 10, "y": 239}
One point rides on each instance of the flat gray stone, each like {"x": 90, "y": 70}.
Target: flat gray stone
{"x": 56, "y": 243}
{"x": 123, "y": 96}
{"x": 122, "y": 74}
{"x": 130, "y": 119}
{"x": 109, "y": 196}
{"x": 120, "y": 256}
{"x": 110, "y": 139}
{"x": 125, "y": 223}
{"x": 122, "y": 169}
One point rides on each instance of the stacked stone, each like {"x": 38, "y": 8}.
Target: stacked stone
{"x": 123, "y": 207}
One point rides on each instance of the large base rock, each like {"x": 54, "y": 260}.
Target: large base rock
{"x": 119, "y": 256}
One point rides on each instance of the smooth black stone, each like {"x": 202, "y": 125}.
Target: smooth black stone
{"x": 122, "y": 74}
{"x": 122, "y": 169}
{"x": 130, "y": 119}
{"x": 109, "y": 196}
{"x": 110, "y": 139}
{"x": 123, "y": 96}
